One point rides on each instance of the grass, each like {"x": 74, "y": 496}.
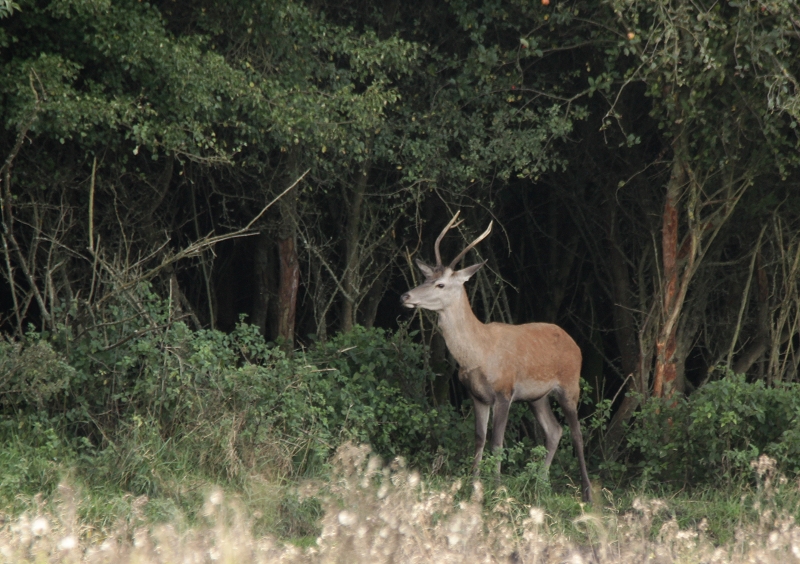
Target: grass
{"x": 363, "y": 510}
{"x": 215, "y": 477}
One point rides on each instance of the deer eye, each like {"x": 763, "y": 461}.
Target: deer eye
{"x": 440, "y": 285}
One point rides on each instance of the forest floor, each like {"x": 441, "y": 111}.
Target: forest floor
{"x": 366, "y": 511}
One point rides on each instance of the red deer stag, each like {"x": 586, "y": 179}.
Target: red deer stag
{"x": 501, "y": 363}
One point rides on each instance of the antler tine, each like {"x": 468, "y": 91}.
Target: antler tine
{"x": 441, "y": 236}
{"x": 480, "y": 238}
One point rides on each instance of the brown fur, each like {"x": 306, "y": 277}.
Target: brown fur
{"x": 501, "y": 363}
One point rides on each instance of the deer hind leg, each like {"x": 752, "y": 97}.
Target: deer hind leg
{"x": 481, "y": 423}
{"x": 570, "y": 409}
{"x": 551, "y": 427}
{"x": 499, "y": 421}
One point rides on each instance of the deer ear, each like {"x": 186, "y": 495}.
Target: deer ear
{"x": 466, "y": 273}
{"x": 426, "y": 270}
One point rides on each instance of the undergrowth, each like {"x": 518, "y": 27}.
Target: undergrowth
{"x": 137, "y": 425}
{"x": 142, "y": 405}
{"x": 374, "y": 512}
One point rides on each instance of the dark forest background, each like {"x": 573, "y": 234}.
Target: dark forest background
{"x": 185, "y": 166}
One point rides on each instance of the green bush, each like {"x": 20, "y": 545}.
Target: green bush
{"x": 144, "y": 401}
{"x": 31, "y": 375}
{"x": 716, "y": 432}
{"x": 375, "y": 387}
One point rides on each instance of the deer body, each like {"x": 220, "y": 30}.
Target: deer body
{"x": 501, "y": 363}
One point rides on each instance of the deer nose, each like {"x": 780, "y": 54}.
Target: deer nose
{"x": 404, "y": 298}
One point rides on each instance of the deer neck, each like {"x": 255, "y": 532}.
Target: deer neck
{"x": 463, "y": 332}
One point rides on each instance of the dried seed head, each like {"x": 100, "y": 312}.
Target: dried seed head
{"x": 40, "y": 526}
{"x": 537, "y": 515}
{"x": 215, "y": 497}
{"x": 67, "y": 543}
{"x": 374, "y": 464}
{"x": 477, "y": 492}
{"x": 347, "y": 518}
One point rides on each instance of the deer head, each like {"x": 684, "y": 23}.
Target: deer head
{"x": 443, "y": 286}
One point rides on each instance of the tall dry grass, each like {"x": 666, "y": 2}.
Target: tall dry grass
{"x": 376, "y": 513}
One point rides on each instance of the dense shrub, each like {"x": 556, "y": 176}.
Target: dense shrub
{"x": 141, "y": 401}
{"x": 717, "y": 431}
{"x": 375, "y": 386}
{"x": 30, "y": 376}
{"x": 144, "y": 400}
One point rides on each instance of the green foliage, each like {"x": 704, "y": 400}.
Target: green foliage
{"x": 703, "y": 61}
{"x": 109, "y": 73}
{"x": 457, "y": 102}
{"x": 31, "y": 374}
{"x": 522, "y": 470}
{"x": 149, "y": 399}
{"x": 374, "y": 387}
{"x": 31, "y": 457}
{"x": 716, "y": 432}
{"x": 7, "y": 8}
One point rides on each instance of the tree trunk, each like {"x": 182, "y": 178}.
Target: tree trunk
{"x": 442, "y": 369}
{"x": 367, "y": 314}
{"x": 350, "y": 282}
{"x": 225, "y": 315}
{"x": 562, "y": 251}
{"x": 322, "y": 300}
{"x": 624, "y": 332}
{"x": 593, "y": 359}
{"x": 289, "y": 271}
{"x": 761, "y": 342}
{"x": 666, "y": 343}
{"x": 262, "y": 273}
{"x": 179, "y": 302}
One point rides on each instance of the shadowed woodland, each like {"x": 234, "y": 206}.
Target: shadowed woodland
{"x": 173, "y": 170}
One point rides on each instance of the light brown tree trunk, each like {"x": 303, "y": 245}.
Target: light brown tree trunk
{"x": 289, "y": 271}
{"x": 666, "y": 343}
{"x": 287, "y": 290}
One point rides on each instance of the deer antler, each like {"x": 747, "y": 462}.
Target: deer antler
{"x": 441, "y": 236}
{"x": 480, "y": 238}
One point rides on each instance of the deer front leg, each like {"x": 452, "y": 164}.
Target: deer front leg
{"x": 481, "y": 424}
{"x": 499, "y": 421}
